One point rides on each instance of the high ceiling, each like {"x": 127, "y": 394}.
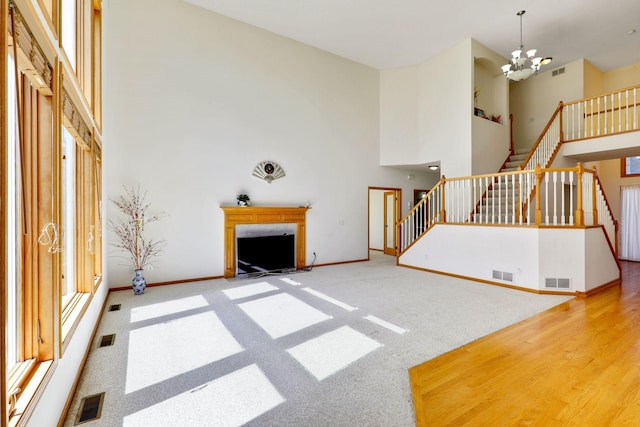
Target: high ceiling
{"x": 388, "y": 34}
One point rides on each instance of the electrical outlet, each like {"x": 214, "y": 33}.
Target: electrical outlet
{"x": 149, "y": 267}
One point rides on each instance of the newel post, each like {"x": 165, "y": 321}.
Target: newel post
{"x": 539, "y": 177}
{"x": 579, "y": 211}
{"x": 443, "y": 212}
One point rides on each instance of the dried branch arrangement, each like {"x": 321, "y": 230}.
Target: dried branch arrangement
{"x": 130, "y": 227}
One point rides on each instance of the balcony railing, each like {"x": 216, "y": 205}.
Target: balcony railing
{"x": 604, "y": 115}
{"x": 608, "y": 114}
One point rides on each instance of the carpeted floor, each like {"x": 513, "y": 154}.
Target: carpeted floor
{"x": 330, "y": 347}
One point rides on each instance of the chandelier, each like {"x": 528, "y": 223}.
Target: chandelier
{"x": 523, "y": 63}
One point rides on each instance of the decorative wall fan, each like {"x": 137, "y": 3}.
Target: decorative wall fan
{"x": 268, "y": 171}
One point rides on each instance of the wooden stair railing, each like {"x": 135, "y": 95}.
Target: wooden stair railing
{"x": 578, "y": 124}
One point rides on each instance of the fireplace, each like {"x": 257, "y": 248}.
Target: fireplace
{"x": 246, "y": 222}
{"x": 265, "y": 248}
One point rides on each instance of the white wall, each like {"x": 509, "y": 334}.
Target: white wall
{"x": 446, "y": 107}
{"x": 490, "y": 140}
{"x": 193, "y": 101}
{"x": 533, "y": 101}
{"x": 426, "y": 110}
{"x": 531, "y": 254}
{"x": 399, "y": 126}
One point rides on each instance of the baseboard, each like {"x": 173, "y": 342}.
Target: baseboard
{"x": 76, "y": 381}
{"x": 170, "y": 282}
{"x": 489, "y": 282}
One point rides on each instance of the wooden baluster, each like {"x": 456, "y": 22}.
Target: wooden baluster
{"x": 520, "y": 201}
{"x": 562, "y": 183}
{"x": 579, "y": 210}
{"x": 593, "y": 196}
{"x": 538, "y": 186}
{"x": 443, "y": 211}
{"x": 561, "y": 124}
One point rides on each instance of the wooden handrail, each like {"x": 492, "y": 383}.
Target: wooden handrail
{"x": 543, "y": 133}
{"x": 603, "y": 95}
{"x": 433, "y": 189}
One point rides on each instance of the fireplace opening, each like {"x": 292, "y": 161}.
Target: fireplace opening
{"x": 265, "y": 254}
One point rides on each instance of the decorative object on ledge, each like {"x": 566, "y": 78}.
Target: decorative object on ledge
{"x": 522, "y": 67}
{"x": 243, "y": 200}
{"x": 129, "y": 234}
{"x": 268, "y": 171}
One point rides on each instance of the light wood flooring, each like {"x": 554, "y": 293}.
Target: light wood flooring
{"x": 576, "y": 364}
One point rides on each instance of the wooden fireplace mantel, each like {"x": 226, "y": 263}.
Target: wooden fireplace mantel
{"x": 234, "y": 215}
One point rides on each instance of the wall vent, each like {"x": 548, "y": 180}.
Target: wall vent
{"x": 557, "y": 72}
{"x": 502, "y": 275}
{"x": 107, "y": 340}
{"x": 557, "y": 283}
{"x": 90, "y": 408}
{"x": 114, "y": 307}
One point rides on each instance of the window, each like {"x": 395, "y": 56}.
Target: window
{"x": 50, "y": 204}
{"x": 630, "y": 166}
{"x": 68, "y": 217}
{"x": 69, "y": 30}
{"x": 13, "y": 248}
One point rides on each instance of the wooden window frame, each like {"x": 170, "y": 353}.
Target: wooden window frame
{"x": 47, "y": 329}
{"x": 623, "y": 169}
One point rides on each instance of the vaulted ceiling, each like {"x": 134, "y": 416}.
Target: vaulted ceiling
{"x": 388, "y": 34}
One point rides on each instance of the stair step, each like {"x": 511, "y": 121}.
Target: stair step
{"x": 523, "y": 150}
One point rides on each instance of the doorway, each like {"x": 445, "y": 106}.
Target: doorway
{"x": 384, "y": 213}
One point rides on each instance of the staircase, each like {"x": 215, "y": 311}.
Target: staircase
{"x": 536, "y": 195}
{"x": 515, "y": 160}
{"x": 499, "y": 203}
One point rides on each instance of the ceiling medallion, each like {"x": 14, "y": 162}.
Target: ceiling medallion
{"x": 268, "y": 171}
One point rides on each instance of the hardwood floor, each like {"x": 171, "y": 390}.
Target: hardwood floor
{"x": 576, "y": 364}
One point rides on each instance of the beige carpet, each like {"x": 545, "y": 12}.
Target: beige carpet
{"x": 330, "y": 347}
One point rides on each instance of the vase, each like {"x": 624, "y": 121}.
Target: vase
{"x": 139, "y": 283}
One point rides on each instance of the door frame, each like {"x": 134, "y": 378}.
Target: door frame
{"x": 398, "y": 211}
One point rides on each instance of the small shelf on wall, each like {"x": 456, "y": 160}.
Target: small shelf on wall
{"x": 492, "y": 118}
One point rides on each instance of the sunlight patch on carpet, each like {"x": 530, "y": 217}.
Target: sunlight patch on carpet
{"x": 231, "y": 400}
{"x": 164, "y": 350}
{"x": 329, "y": 353}
{"x": 166, "y": 308}
{"x": 290, "y": 281}
{"x": 388, "y": 325}
{"x": 249, "y": 290}
{"x": 327, "y": 298}
{"x": 282, "y": 314}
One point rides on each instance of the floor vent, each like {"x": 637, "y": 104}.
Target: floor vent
{"x": 114, "y": 307}
{"x": 503, "y": 275}
{"x": 107, "y": 340}
{"x": 90, "y": 408}
{"x": 557, "y": 283}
